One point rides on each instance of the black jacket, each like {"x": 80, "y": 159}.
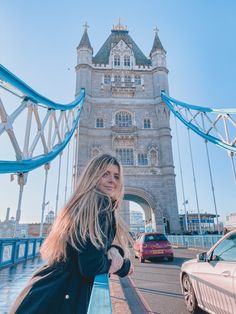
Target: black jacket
{"x": 65, "y": 288}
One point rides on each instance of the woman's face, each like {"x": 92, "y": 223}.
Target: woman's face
{"x": 110, "y": 182}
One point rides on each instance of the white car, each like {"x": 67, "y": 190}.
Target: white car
{"x": 209, "y": 281}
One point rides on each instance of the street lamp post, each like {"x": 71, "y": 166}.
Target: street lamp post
{"x": 185, "y": 214}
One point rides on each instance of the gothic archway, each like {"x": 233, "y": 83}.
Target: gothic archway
{"x": 152, "y": 210}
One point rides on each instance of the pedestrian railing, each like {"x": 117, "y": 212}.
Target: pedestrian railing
{"x": 100, "y": 301}
{"x": 15, "y": 250}
{"x": 196, "y": 241}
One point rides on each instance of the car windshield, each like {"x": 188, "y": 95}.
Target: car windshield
{"x": 226, "y": 250}
{"x": 155, "y": 237}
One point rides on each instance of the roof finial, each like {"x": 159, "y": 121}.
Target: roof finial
{"x": 119, "y": 26}
{"x": 85, "y": 26}
{"x": 156, "y": 30}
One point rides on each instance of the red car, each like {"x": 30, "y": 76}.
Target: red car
{"x": 153, "y": 245}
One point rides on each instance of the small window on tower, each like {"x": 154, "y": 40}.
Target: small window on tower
{"x": 107, "y": 79}
{"x": 117, "y": 79}
{"x": 128, "y": 79}
{"x": 126, "y": 61}
{"x": 137, "y": 80}
{"x": 147, "y": 124}
{"x": 117, "y": 61}
{"x": 99, "y": 123}
{"x": 142, "y": 159}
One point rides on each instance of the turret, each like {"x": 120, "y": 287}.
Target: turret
{"x": 84, "y": 63}
{"x": 160, "y": 72}
{"x": 158, "y": 53}
{"x": 84, "y": 50}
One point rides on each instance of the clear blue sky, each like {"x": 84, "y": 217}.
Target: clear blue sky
{"x": 38, "y": 41}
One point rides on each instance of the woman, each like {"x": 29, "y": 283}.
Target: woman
{"x": 79, "y": 246}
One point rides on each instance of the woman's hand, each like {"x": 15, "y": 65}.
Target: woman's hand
{"x": 116, "y": 260}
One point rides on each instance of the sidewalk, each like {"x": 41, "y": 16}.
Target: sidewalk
{"x": 125, "y": 298}
{"x": 174, "y": 246}
{"x": 118, "y": 299}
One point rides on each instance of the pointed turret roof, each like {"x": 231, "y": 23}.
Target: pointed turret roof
{"x": 85, "y": 42}
{"x": 120, "y": 32}
{"x": 157, "y": 45}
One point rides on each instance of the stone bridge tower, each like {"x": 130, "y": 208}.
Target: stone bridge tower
{"x": 124, "y": 115}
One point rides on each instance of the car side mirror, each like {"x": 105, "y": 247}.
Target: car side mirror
{"x": 202, "y": 257}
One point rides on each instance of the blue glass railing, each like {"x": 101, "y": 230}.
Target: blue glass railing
{"x": 100, "y": 301}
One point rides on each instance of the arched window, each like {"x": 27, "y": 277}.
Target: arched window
{"x": 99, "y": 123}
{"x": 126, "y": 61}
{"x": 137, "y": 80}
{"x": 116, "y": 60}
{"x": 123, "y": 119}
{"x": 95, "y": 152}
{"x": 125, "y": 155}
{"x": 147, "y": 124}
{"x": 153, "y": 157}
{"x": 142, "y": 159}
{"x": 107, "y": 79}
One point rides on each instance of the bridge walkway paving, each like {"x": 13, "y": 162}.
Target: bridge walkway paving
{"x": 13, "y": 279}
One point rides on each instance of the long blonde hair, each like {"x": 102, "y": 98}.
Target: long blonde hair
{"x": 78, "y": 220}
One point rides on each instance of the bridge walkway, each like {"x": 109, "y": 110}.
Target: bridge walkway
{"x": 13, "y": 279}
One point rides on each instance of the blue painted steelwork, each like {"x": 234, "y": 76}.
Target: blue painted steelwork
{"x": 27, "y": 165}
{"x": 100, "y": 301}
{"x": 29, "y": 93}
{"x": 198, "y": 108}
{"x": 175, "y": 105}
{"x": 15, "y": 250}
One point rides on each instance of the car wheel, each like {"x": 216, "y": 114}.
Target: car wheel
{"x": 189, "y": 295}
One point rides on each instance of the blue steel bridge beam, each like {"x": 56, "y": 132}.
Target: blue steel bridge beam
{"x": 212, "y": 117}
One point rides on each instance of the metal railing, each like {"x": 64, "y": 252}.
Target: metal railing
{"x": 15, "y": 250}
{"x": 100, "y": 301}
{"x": 198, "y": 241}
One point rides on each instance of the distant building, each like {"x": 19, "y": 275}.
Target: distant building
{"x": 7, "y": 226}
{"x": 23, "y": 230}
{"x": 136, "y": 222}
{"x": 231, "y": 221}
{"x": 34, "y": 229}
{"x": 50, "y": 217}
{"x": 207, "y": 222}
